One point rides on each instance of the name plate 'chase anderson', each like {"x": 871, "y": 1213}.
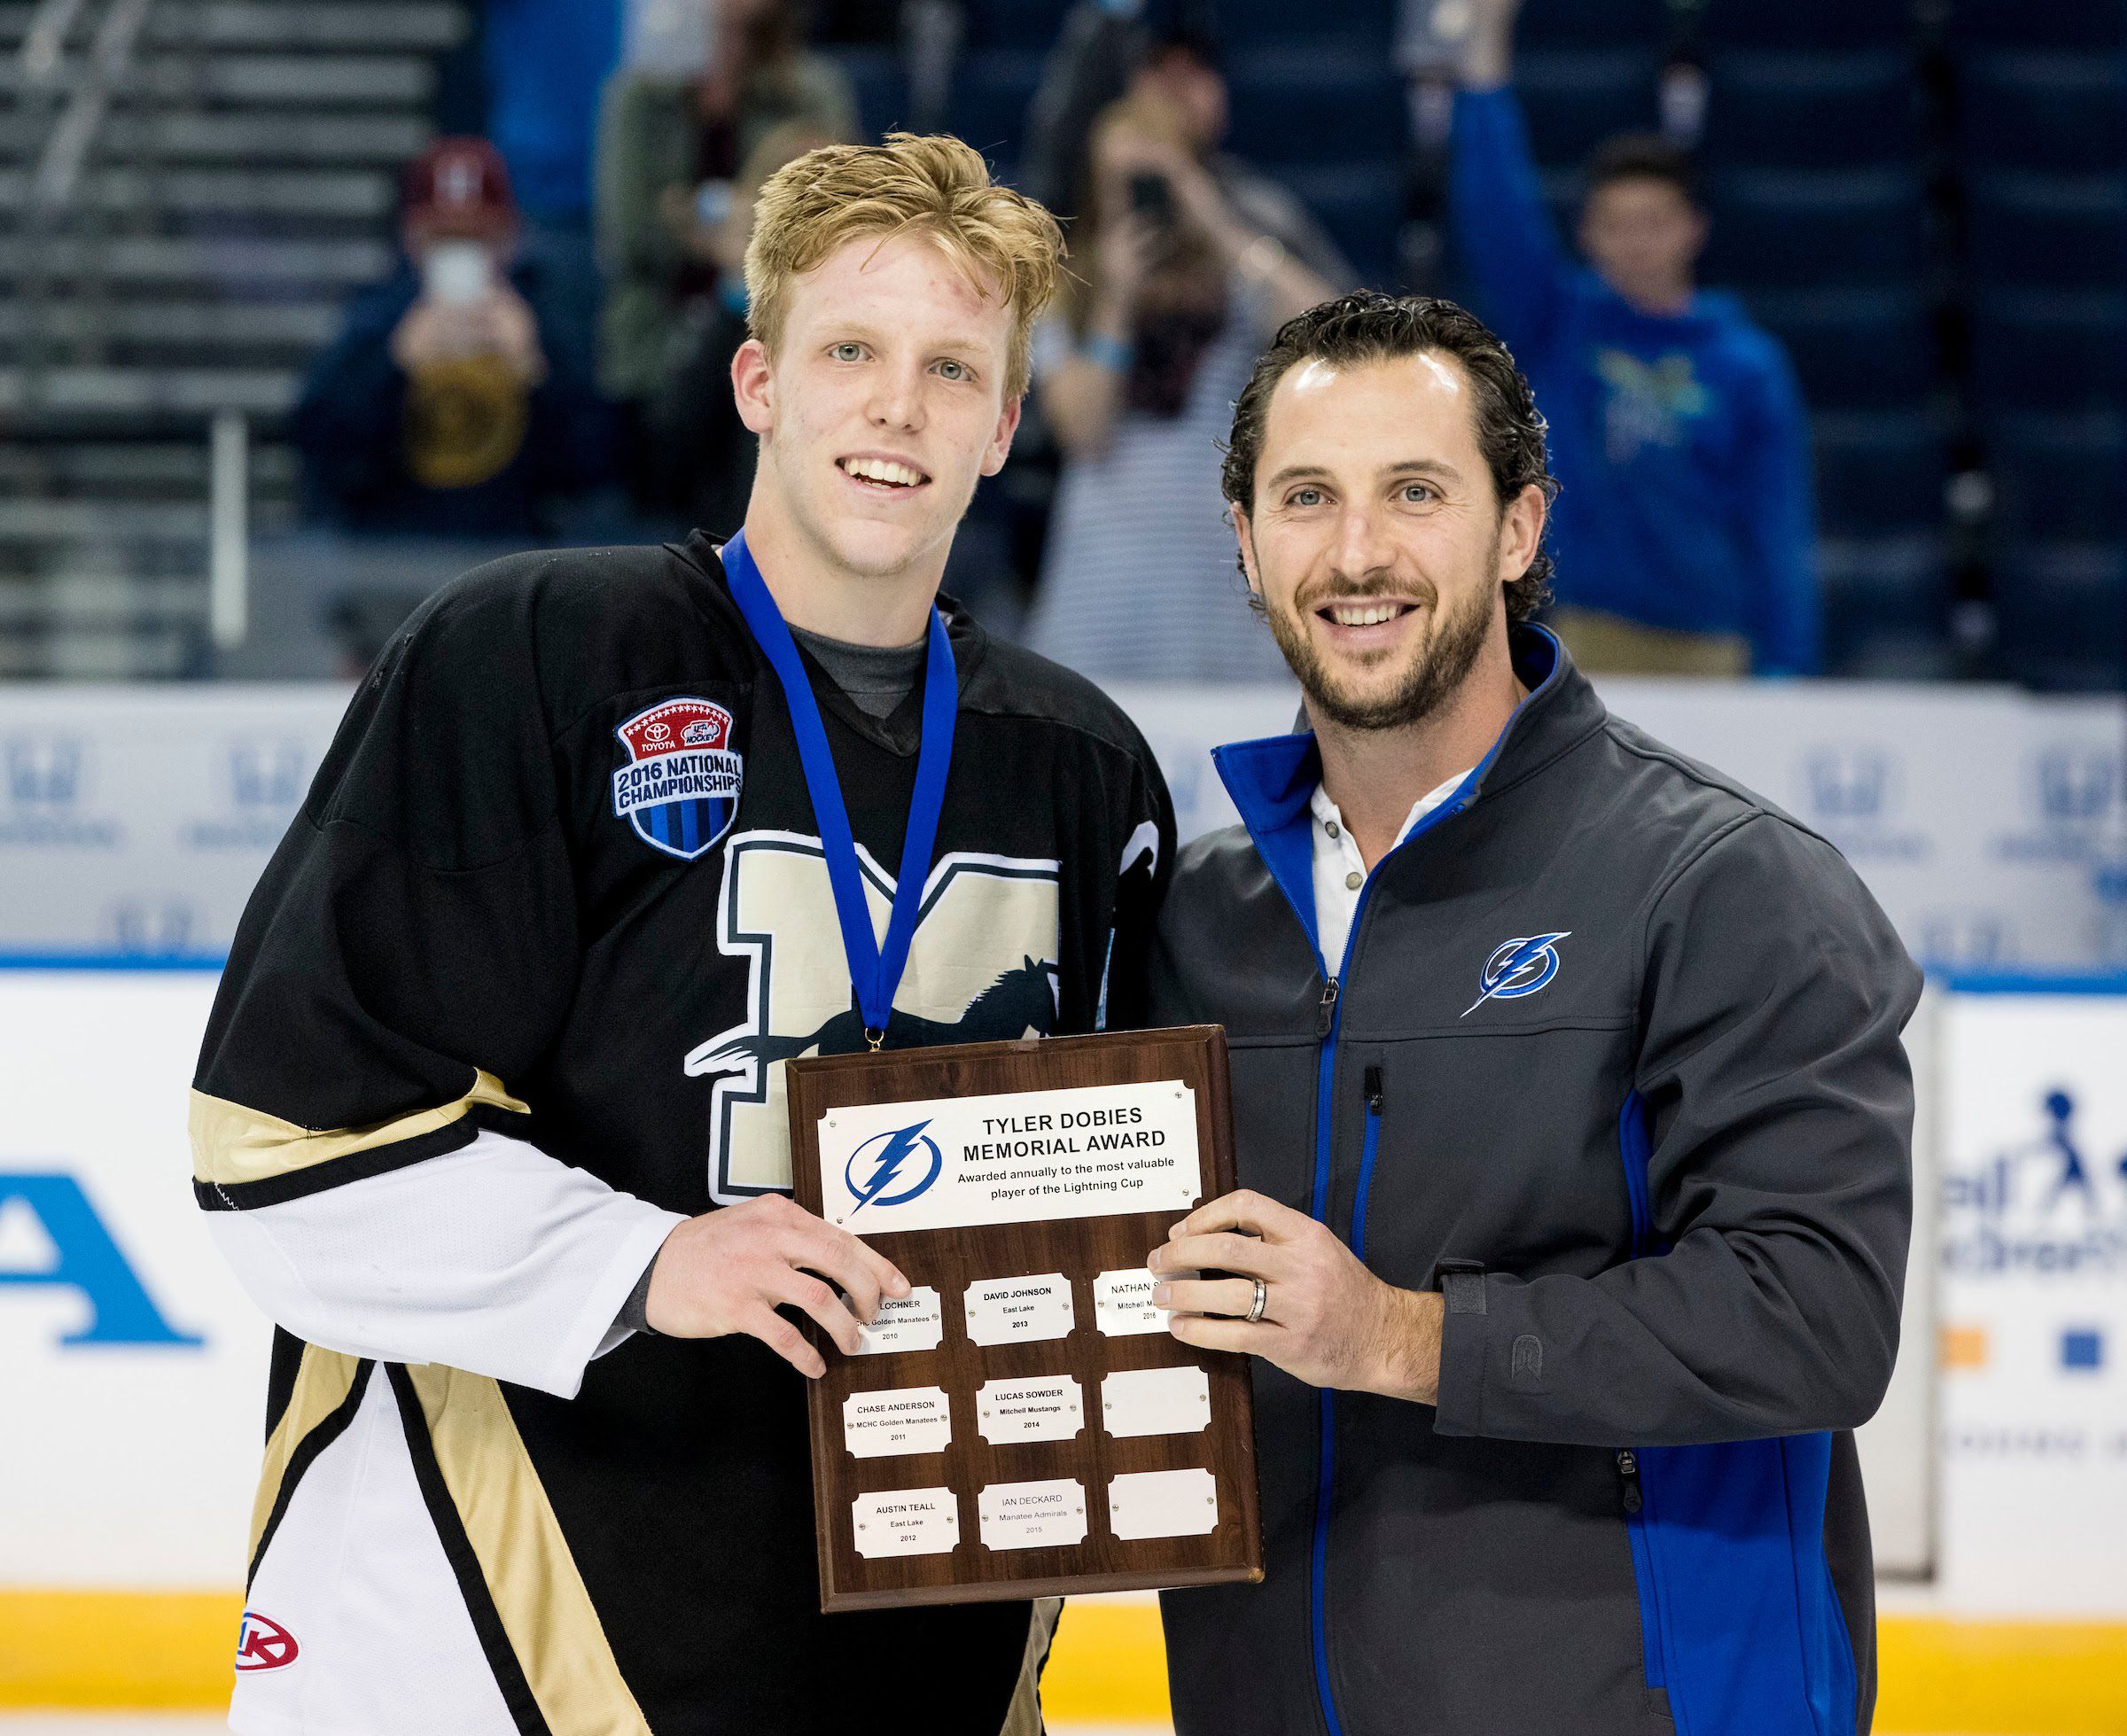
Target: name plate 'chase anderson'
{"x": 1010, "y": 1158}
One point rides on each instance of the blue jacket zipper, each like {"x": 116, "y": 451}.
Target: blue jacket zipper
{"x": 1299, "y": 896}
{"x": 1330, "y": 1021}
{"x": 1330, "y": 1016}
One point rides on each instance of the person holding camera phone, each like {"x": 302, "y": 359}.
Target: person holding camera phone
{"x": 1186, "y": 261}
{"x": 441, "y": 407}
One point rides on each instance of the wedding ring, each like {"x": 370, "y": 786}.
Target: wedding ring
{"x": 1255, "y": 1308}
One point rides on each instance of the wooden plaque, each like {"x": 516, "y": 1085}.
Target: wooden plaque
{"x": 945, "y": 1466}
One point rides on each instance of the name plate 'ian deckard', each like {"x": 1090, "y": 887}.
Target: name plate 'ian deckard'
{"x": 912, "y": 1322}
{"x": 910, "y": 1419}
{"x": 1041, "y": 1407}
{"x": 906, "y": 1521}
{"x": 1030, "y": 1515}
{"x": 1015, "y": 1157}
{"x": 1020, "y": 1310}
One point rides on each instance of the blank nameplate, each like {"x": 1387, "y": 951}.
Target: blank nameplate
{"x": 1122, "y": 1302}
{"x": 1156, "y": 1401}
{"x": 910, "y": 1419}
{"x": 1045, "y": 1407}
{"x": 1032, "y": 1515}
{"x": 1020, "y": 1310}
{"x": 1163, "y": 1504}
{"x": 913, "y": 1322}
{"x": 906, "y": 1521}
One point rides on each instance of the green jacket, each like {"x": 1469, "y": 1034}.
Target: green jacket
{"x": 649, "y": 139}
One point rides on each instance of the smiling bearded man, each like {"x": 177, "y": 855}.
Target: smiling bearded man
{"x": 491, "y": 1115}
{"x": 1572, "y": 1125}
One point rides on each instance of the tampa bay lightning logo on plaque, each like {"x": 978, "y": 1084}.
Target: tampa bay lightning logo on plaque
{"x": 679, "y": 789}
{"x": 882, "y": 1159}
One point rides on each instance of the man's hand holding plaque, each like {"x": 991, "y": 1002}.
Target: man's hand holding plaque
{"x": 1297, "y": 1296}
{"x": 729, "y": 1270}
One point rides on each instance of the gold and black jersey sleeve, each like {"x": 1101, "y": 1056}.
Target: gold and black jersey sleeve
{"x": 412, "y": 945}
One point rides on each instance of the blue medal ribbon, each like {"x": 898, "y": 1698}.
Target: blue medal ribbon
{"x": 875, "y": 971}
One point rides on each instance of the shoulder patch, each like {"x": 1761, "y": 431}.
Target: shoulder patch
{"x": 680, "y": 786}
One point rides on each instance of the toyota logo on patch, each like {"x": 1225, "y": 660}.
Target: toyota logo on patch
{"x": 657, "y": 732}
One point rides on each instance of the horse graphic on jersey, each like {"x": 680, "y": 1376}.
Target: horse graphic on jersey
{"x": 1020, "y": 1001}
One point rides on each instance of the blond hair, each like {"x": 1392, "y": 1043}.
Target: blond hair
{"x": 934, "y": 186}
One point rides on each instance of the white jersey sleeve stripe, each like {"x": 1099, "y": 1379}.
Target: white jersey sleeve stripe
{"x": 496, "y": 1258}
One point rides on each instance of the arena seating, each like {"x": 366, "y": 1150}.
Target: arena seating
{"x": 1576, "y": 98}
{"x": 1778, "y": 108}
{"x": 2044, "y": 111}
{"x": 243, "y": 179}
{"x": 2082, "y": 26}
{"x": 2041, "y": 138}
{"x": 991, "y": 92}
{"x": 1811, "y": 25}
{"x": 1580, "y": 24}
{"x": 880, "y": 79}
{"x": 1932, "y": 218}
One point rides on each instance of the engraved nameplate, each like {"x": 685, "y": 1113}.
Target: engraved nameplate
{"x": 906, "y": 1521}
{"x": 1007, "y": 1311}
{"x": 1163, "y": 1504}
{"x": 1122, "y": 1302}
{"x": 914, "y": 1322}
{"x": 1046, "y": 1407}
{"x": 1156, "y": 1401}
{"x": 913, "y": 1418}
{"x": 1032, "y": 1515}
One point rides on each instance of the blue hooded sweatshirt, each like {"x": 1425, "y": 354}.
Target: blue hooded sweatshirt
{"x": 1680, "y": 442}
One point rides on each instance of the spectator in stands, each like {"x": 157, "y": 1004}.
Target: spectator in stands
{"x": 670, "y": 145}
{"x": 695, "y": 461}
{"x": 442, "y": 406}
{"x": 1684, "y": 524}
{"x": 1186, "y": 263}
{"x": 1099, "y": 44}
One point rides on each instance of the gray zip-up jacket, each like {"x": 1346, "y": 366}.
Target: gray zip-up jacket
{"x": 1613, "y": 1059}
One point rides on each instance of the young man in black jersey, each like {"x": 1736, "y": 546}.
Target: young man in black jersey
{"x": 490, "y": 1116}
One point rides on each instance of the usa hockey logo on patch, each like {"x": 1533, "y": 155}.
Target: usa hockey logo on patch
{"x": 680, "y": 786}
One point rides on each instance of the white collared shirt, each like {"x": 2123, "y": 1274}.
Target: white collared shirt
{"x": 1339, "y": 871}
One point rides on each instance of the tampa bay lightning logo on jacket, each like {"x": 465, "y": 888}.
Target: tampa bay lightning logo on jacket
{"x": 679, "y": 789}
{"x": 1518, "y": 966}
{"x": 888, "y": 1169}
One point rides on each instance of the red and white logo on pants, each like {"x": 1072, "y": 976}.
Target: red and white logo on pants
{"x": 264, "y": 1644}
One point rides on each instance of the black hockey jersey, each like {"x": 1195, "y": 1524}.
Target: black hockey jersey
{"x": 512, "y": 998}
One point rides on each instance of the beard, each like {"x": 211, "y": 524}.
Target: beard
{"x": 1437, "y": 670}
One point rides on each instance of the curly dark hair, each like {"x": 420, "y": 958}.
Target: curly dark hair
{"x": 1368, "y": 326}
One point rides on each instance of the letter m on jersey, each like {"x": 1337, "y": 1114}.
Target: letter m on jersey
{"x": 982, "y": 967}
